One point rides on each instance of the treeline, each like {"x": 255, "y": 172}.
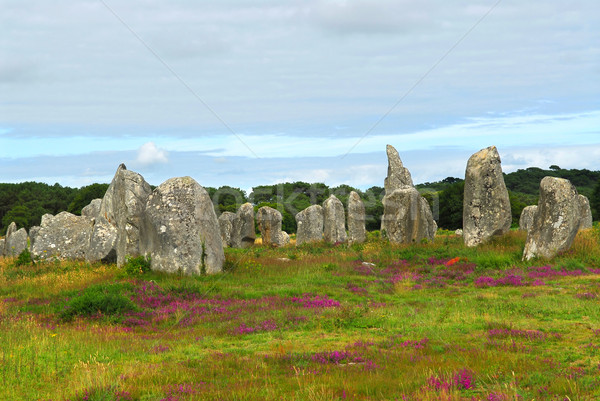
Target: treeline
{"x": 27, "y": 202}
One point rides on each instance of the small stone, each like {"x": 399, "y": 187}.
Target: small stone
{"x": 585, "y": 212}
{"x": 269, "y": 224}
{"x": 15, "y": 240}
{"x": 526, "y": 219}
{"x": 458, "y": 232}
{"x": 243, "y": 227}
{"x": 226, "y": 222}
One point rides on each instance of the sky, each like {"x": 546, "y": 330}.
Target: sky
{"x": 245, "y": 93}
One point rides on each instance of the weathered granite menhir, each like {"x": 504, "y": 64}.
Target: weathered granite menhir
{"x": 334, "y": 221}
{"x": 269, "y": 223}
{"x": 15, "y": 241}
{"x": 556, "y": 221}
{"x": 310, "y": 225}
{"x": 407, "y": 217}
{"x": 486, "y": 206}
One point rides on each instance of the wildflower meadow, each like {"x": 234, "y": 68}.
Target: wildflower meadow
{"x": 372, "y": 321}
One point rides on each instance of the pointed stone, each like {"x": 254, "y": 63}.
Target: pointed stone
{"x": 407, "y": 217}
{"x": 398, "y": 176}
{"x": 486, "y": 206}
{"x": 15, "y": 240}
{"x": 357, "y": 233}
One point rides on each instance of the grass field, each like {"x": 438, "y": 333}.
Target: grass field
{"x": 374, "y": 321}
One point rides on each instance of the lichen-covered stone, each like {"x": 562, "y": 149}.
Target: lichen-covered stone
{"x": 398, "y": 176}
{"x": 93, "y": 209}
{"x": 226, "y": 222}
{"x": 180, "y": 231}
{"x": 556, "y": 221}
{"x": 585, "y": 212}
{"x": 269, "y": 224}
{"x": 15, "y": 241}
{"x": 334, "y": 221}
{"x": 486, "y": 206}
{"x": 310, "y": 225}
{"x": 407, "y": 217}
{"x": 243, "y": 227}
{"x": 356, "y": 219}
{"x": 2, "y": 242}
{"x": 526, "y": 219}
{"x": 64, "y": 236}
{"x": 123, "y": 208}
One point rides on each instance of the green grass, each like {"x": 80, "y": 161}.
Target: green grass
{"x": 431, "y": 321}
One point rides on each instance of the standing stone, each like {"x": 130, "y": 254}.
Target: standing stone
{"x": 356, "y": 219}
{"x": 122, "y": 208}
{"x": 15, "y": 241}
{"x": 585, "y": 211}
{"x": 526, "y": 219}
{"x": 556, "y": 221}
{"x": 269, "y": 224}
{"x": 2, "y": 242}
{"x": 407, "y": 217}
{"x": 334, "y": 221}
{"x": 243, "y": 227}
{"x": 226, "y": 222}
{"x": 486, "y": 206}
{"x": 398, "y": 176}
{"x": 310, "y": 225}
{"x": 64, "y": 236}
{"x": 92, "y": 210}
{"x": 181, "y": 231}
{"x": 33, "y": 233}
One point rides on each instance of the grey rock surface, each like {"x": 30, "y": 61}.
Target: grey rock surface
{"x": 310, "y": 225}
{"x": 15, "y": 240}
{"x": 92, "y": 210}
{"x": 226, "y": 222}
{"x": 526, "y": 219}
{"x": 556, "y": 221}
{"x": 269, "y": 224}
{"x": 64, "y": 236}
{"x": 243, "y": 227}
{"x": 2, "y": 242}
{"x": 181, "y": 232}
{"x": 33, "y": 233}
{"x": 398, "y": 176}
{"x": 407, "y": 217}
{"x": 486, "y": 206}
{"x": 103, "y": 241}
{"x": 334, "y": 221}
{"x": 585, "y": 211}
{"x": 356, "y": 219}
{"x": 458, "y": 232}
{"x": 122, "y": 207}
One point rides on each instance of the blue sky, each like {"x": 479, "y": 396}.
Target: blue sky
{"x": 244, "y": 93}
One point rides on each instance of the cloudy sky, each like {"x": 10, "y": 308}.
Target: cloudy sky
{"x": 243, "y": 93}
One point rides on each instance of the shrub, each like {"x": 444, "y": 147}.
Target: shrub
{"x": 99, "y": 300}
{"x": 24, "y": 258}
{"x": 136, "y": 266}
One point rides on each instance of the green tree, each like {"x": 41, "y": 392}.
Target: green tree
{"x": 85, "y": 196}
{"x": 595, "y": 202}
{"x": 19, "y": 214}
{"x": 451, "y": 206}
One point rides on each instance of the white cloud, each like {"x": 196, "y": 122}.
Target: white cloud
{"x": 150, "y": 154}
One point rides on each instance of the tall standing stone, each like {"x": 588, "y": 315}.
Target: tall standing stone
{"x": 226, "y": 222}
{"x": 269, "y": 224}
{"x": 15, "y": 241}
{"x": 334, "y": 221}
{"x": 64, "y": 236}
{"x": 243, "y": 227}
{"x": 556, "y": 221}
{"x": 356, "y": 219}
{"x": 526, "y": 219}
{"x": 398, "y": 176}
{"x": 486, "y": 206}
{"x": 585, "y": 212}
{"x": 122, "y": 208}
{"x": 310, "y": 225}
{"x": 407, "y": 217}
{"x": 181, "y": 231}
{"x": 2, "y": 242}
